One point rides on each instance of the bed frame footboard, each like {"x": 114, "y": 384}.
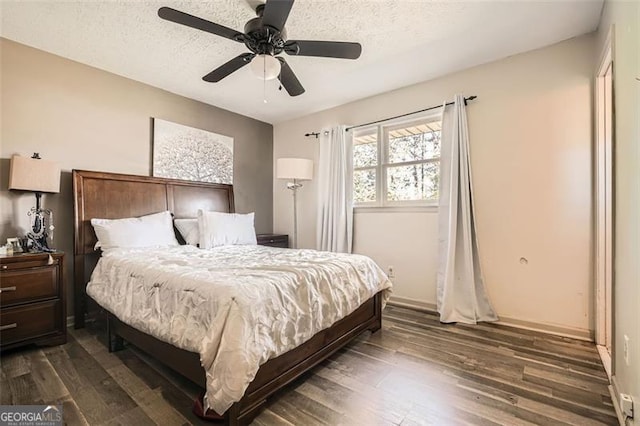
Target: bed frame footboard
{"x": 272, "y": 376}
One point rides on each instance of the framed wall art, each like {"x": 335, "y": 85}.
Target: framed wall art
{"x": 183, "y": 152}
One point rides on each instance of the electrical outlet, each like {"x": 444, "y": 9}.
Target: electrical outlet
{"x": 626, "y": 349}
{"x": 390, "y": 272}
{"x": 626, "y": 405}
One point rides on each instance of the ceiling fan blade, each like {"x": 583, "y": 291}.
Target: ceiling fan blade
{"x": 201, "y": 24}
{"x": 289, "y": 79}
{"x": 227, "y": 68}
{"x": 276, "y": 13}
{"x": 326, "y": 49}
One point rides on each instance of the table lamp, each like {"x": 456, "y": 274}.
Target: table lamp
{"x": 38, "y": 176}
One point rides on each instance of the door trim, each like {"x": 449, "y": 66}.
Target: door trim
{"x": 600, "y": 273}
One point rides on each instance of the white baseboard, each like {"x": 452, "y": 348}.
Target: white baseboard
{"x": 574, "y": 333}
{"x": 418, "y": 305}
{"x": 558, "y": 330}
{"x": 605, "y": 356}
{"x": 614, "y": 390}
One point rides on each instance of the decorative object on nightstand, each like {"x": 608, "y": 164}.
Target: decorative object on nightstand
{"x": 32, "y": 300}
{"x": 296, "y": 169}
{"x": 273, "y": 240}
{"x": 38, "y": 176}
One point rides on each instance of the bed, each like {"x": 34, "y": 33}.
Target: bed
{"x": 113, "y": 196}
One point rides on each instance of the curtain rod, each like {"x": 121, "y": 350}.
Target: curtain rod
{"x": 316, "y": 134}
{"x": 470, "y": 98}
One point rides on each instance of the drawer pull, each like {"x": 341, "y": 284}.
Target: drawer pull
{"x": 8, "y": 326}
{"x": 5, "y": 266}
{"x": 12, "y": 288}
{"x": 272, "y": 241}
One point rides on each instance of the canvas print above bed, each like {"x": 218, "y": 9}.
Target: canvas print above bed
{"x": 183, "y": 152}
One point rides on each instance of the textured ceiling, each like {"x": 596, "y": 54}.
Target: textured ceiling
{"x": 404, "y": 42}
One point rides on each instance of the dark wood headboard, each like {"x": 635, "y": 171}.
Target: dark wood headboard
{"x": 116, "y": 196}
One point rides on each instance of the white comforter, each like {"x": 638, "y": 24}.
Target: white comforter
{"x": 238, "y": 306}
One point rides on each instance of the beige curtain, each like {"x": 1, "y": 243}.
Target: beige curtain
{"x": 462, "y": 296}
{"x": 335, "y": 191}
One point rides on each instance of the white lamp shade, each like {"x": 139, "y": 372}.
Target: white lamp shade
{"x": 30, "y": 174}
{"x": 265, "y": 67}
{"x": 294, "y": 168}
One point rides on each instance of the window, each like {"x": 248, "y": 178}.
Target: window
{"x": 397, "y": 165}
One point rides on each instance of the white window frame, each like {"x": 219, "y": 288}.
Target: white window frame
{"x": 382, "y": 131}
{"x": 362, "y": 132}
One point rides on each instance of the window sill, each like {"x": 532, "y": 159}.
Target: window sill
{"x": 395, "y": 209}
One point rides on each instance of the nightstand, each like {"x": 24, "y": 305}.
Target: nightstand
{"x": 32, "y": 300}
{"x": 273, "y": 240}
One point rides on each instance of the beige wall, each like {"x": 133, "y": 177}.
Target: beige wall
{"x": 531, "y": 157}
{"x": 86, "y": 118}
{"x": 625, "y": 17}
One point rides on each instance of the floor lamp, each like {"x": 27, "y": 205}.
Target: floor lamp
{"x": 297, "y": 169}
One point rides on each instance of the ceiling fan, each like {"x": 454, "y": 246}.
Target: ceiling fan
{"x": 265, "y": 36}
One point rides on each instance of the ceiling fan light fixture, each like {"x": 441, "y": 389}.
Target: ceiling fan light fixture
{"x": 265, "y": 37}
{"x": 265, "y": 67}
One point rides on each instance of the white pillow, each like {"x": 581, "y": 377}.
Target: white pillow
{"x": 154, "y": 230}
{"x": 189, "y": 230}
{"x": 220, "y": 229}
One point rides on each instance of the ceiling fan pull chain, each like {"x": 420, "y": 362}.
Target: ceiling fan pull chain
{"x": 264, "y": 79}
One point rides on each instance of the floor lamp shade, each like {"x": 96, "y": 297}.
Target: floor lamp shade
{"x": 294, "y": 168}
{"x": 36, "y": 175}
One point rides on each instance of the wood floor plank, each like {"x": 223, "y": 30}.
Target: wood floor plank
{"x": 158, "y": 409}
{"x": 328, "y": 371}
{"x": 22, "y": 390}
{"x": 414, "y": 371}
{"x": 49, "y": 385}
{"x": 504, "y": 402}
{"x": 135, "y": 416}
{"x": 268, "y": 418}
{"x": 559, "y": 414}
{"x": 286, "y": 409}
{"x": 350, "y": 403}
{"x": 92, "y": 407}
{"x": 93, "y": 373}
{"x": 65, "y": 369}
{"x": 15, "y": 364}
{"x": 565, "y": 381}
{"x": 71, "y": 413}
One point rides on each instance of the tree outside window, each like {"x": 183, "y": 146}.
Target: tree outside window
{"x": 397, "y": 164}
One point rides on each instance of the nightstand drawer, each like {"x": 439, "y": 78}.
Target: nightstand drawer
{"x": 17, "y": 286}
{"x": 29, "y": 321}
{"x": 273, "y": 240}
{"x": 22, "y": 261}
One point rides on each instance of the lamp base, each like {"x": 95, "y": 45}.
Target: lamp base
{"x": 38, "y": 235}
{"x": 38, "y": 244}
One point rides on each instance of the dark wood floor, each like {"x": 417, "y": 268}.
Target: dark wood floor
{"x": 415, "y": 371}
